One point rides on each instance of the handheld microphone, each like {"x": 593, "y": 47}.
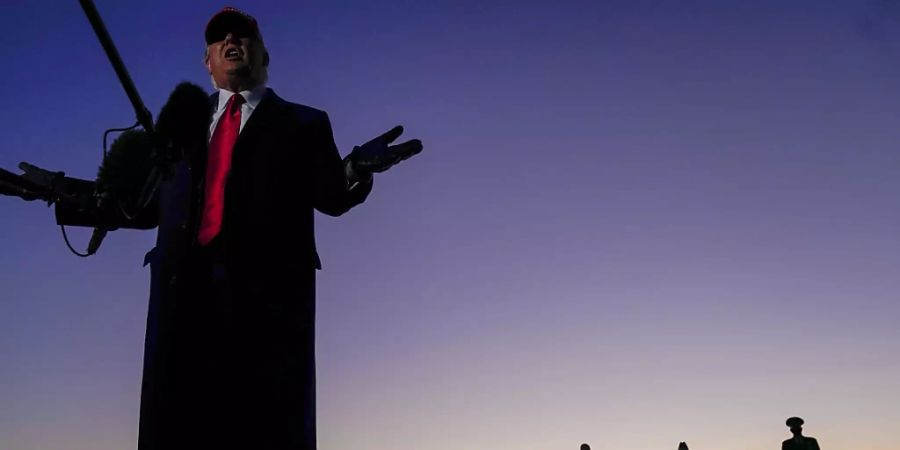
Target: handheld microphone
{"x": 96, "y": 239}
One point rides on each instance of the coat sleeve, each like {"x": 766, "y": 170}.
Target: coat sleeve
{"x": 93, "y": 216}
{"x": 333, "y": 194}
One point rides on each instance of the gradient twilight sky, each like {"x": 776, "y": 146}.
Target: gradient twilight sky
{"x": 634, "y": 223}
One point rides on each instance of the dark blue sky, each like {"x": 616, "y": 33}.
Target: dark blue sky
{"x": 634, "y": 223}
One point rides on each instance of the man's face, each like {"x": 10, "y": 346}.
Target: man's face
{"x": 236, "y": 63}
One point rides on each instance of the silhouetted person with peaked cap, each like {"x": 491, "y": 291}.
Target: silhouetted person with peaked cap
{"x": 682, "y": 446}
{"x": 799, "y": 441}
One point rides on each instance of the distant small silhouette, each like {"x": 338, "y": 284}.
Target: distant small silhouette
{"x": 799, "y": 441}
{"x": 682, "y": 446}
{"x": 585, "y": 447}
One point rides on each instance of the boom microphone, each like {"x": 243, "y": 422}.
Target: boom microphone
{"x": 184, "y": 119}
{"x": 137, "y": 161}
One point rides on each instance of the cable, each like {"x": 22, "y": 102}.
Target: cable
{"x": 63, "y": 227}
{"x": 66, "y": 238}
{"x": 106, "y": 133}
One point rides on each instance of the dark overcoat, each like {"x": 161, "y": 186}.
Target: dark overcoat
{"x": 231, "y": 363}
{"x": 807, "y": 443}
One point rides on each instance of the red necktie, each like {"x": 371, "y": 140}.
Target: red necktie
{"x": 220, "y": 146}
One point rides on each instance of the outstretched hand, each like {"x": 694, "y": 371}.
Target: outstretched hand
{"x": 377, "y": 156}
{"x": 34, "y": 183}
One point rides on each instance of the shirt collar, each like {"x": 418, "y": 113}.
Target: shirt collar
{"x": 252, "y": 96}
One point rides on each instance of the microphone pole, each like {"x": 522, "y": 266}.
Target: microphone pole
{"x": 143, "y": 115}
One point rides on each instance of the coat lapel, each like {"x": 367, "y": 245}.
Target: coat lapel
{"x": 262, "y": 116}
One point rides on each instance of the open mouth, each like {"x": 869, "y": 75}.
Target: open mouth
{"x": 233, "y": 54}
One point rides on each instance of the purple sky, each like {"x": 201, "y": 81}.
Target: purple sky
{"x": 634, "y": 223}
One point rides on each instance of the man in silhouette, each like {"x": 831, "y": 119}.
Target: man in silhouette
{"x": 799, "y": 441}
{"x": 229, "y": 355}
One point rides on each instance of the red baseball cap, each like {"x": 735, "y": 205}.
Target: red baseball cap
{"x": 231, "y": 20}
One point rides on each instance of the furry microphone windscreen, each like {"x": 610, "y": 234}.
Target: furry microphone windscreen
{"x": 181, "y": 130}
{"x": 126, "y": 167}
{"x": 184, "y": 120}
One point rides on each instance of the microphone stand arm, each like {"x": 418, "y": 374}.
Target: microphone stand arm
{"x": 144, "y": 117}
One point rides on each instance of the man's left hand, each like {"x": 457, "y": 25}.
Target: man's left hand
{"x": 377, "y": 156}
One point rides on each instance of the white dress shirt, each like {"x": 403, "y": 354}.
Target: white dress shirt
{"x": 252, "y": 98}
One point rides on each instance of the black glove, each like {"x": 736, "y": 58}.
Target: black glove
{"x": 14, "y": 185}
{"x": 376, "y": 156}
{"x": 41, "y": 184}
{"x": 34, "y": 184}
